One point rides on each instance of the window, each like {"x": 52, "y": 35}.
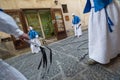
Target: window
{"x": 64, "y": 8}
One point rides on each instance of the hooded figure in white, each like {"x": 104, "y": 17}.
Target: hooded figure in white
{"x": 103, "y": 29}
{"x": 34, "y": 39}
{"x": 77, "y": 25}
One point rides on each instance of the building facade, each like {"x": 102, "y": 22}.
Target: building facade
{"x": 48, "y": 17}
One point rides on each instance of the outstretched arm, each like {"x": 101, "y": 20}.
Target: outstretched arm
{"x": 8, "y": 25}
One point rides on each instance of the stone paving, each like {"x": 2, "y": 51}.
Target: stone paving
{"x": 69, "y": 57}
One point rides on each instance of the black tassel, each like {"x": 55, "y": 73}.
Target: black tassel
{"x": 50, "y": 54}
{"x": 50, "y": 58}
{"x": 40, "y": 64}
{"x": 44, "y": 57}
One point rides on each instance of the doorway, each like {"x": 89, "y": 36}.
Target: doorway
{"x": 48, "y": 23}
{"x": 41, "y": 21}
{"x": 58, "y": 22}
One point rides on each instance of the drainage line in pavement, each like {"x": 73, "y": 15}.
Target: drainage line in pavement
{"x": 84, "y": 42}
{"x": 83, "y": 57}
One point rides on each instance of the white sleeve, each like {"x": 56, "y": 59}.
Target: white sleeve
{"x": 8, "y": 25}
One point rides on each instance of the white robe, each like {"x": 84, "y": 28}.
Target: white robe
{"x": 103, "y": 44}
{"x": 8, "y": 72}
{"x": 35, "y": 49}
{"x": 77, "y": 29}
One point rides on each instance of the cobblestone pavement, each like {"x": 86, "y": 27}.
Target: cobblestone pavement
{"x": 69, "y": 57}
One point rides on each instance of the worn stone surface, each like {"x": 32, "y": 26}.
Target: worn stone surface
{"x": 69, "y": 57}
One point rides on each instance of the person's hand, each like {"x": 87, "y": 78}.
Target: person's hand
{"x": 24, "y": 36}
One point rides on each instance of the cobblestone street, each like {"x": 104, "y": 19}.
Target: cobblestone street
{"x": 69, "y": 57}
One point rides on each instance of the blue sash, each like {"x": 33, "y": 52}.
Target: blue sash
{"x": 99, "y": 5}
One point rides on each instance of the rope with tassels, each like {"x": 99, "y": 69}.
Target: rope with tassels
{"x": 44, "y": 59}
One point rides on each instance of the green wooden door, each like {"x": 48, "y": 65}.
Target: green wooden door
{"x": 46, "y": 21}
{"x": 33, "y": 20}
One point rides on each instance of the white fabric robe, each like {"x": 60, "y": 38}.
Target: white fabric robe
{"x": 35, "y": 49}
{"x": 8, "y": 72}
{"x": 103, "y": 44}
{"x": 77, "y": 29}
